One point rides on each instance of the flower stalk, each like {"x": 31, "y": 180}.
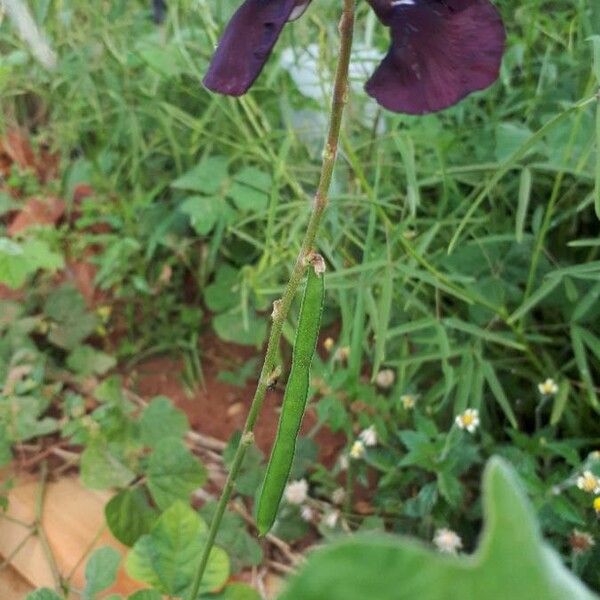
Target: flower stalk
{"x": 340, "y": 92}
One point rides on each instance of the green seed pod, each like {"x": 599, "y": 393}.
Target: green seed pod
{"x": 294, "y": 402}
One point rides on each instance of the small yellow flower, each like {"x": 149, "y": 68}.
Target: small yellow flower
{"x": 588, "y": 482}
{"x": 548, "y": 387}
{"x": 328, "y": 344}
{"x": 358, "y": 450}
{"x": 104, "y": 312}
{"x": 468, "y": 420}
{"x": 597, "y": 505}
{"x": 408, "y": 401}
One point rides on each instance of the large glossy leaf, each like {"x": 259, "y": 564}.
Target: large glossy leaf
{"x": 512, "y": 562}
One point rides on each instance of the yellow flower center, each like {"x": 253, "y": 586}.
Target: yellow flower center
{"x": 468, "y": 419}
{"x": 589, "y": 483}
{"x": 597, "y": 504}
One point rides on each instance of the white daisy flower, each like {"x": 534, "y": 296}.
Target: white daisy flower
{"x": 447, "y": 541}
{"x": 296, "y": 491}
{"x": 368, "y": 436}
{"x": 468, "y": 420}
{"x": 548, "y": 387}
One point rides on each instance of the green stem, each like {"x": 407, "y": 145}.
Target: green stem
{"x": 282, "y": 306}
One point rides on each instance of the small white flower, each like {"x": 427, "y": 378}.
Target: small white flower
{"x": 296, "y": 491}
{"x": 588, "y": 482}
{"x": 307, "y": 513}
{"x": 548, "y": 387}
{"x": 331, "y": 519}
{"x": 447, "y": 540}
{"x": 342, "y": 354}
{"x": 338, "y": 495}
{"x": 343, "y": 462}
{"x": 408, "y": 401}
{"x": 468, "y": 420}
{"x": 368, "y": 436}
{"x": 385, "y": 379}
{"x": 358, "y": 450}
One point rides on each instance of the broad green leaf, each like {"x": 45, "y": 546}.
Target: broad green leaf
{"x": 223, "y": 293}
{"x": 161, "y": 419}
{"x": 85, "y": 360}
{"x": 145, "y": 595}
{"x": 168, "y": 556}
{"x": 100, "y": 571}
{"x": 20, "y": 260}
{"x": 43, "y": 594}
{"x": 173, "y": 472}
{"x": 129, "y": 515}
{"x": 203, "y": 211}
{"x": 230, "y": 327}
{"x": 250, "y": 189}
{"x": 512, "y": 561}
{"x": 100, "y": 469}
{"x": 243, "y": 550}
{"x": 206, "y": 177}
{"x": 72, "y": 323}
{"x": 236, "y": 591}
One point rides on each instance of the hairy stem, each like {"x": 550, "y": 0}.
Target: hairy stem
{"x": 282, "y": 306}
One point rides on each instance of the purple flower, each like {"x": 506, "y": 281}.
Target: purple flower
{"x": 441, "y": 50}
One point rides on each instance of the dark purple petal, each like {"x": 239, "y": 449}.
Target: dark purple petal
{"x": 441, "y": 51}
{"x": 247, "y": 43}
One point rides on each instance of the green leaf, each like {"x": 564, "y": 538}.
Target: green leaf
{"x": 129, "y": 515}
{"x": 230, "y": 327}
{"x": 250, "y": 189}
{"x": 243, "y": 550}
{"x": 85, "y": 360}
{"x": 224, "y": 292}
{"x": 100, "y": 571}
{"x": 161, "y": 419}
{"x": 237, "y": 591}
{"x": 100, "y": 469}
{"x": 512, "y": 560}
{"x": 145, "y": 595}
{"x": 498, "y": 392}
{"x": 168, "y": 556}
{"x": 72, "y": 323}
{"x": 173, "y": 472}
{"x": 203, "y": 211}
{"x": 18, "y": 261}
{"x": 43, "y": 594}
{"x": 206, "y": 177}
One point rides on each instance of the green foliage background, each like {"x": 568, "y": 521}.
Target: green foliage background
{"x": 462, "y": 248}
